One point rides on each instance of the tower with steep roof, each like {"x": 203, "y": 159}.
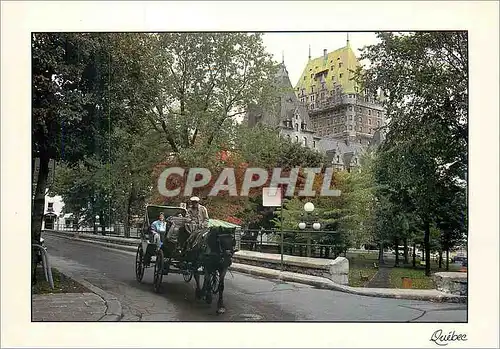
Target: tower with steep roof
{"x": 290, "y": 117}
{"x": 338, "y": 106}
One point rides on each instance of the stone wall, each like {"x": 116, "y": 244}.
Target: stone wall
{"x": 337, "y": 270}
{"x": 451, "y": 282}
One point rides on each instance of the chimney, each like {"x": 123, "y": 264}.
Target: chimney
{"x": 325, "y": 54}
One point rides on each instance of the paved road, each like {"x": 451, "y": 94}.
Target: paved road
{"x": 247, "y": 298}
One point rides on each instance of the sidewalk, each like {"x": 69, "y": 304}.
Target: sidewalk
{"x": 88, "y": 303}
{"x": 381, "y": 278}
{"x": 68, "y": 307}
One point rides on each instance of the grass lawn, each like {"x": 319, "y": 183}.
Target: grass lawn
{"x": 361, "y": 268}
{"x": 62, "y": 283}
{"x": 360, "y": 274}
{"x": 419, "y": 280}
{"x": 417, "y": 274}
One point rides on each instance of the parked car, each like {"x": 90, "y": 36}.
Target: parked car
{"x": 458, "y": 259}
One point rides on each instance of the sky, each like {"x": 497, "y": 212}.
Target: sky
{"x": 295, "y": 47}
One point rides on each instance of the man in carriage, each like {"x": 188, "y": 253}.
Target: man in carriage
{"x": 198, "y": 215}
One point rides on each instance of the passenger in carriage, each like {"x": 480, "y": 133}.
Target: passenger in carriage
{"x": 157, "y": 227}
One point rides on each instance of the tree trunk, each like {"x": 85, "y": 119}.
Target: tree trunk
{"x": 129, "y": 212}
{"x": 405, "y": 242}
{"x": 102, "y": 223}
{"x": 427, "y": 238}
{"x": 447, "y": 259}
{"x": 39, "y": 205}
{"x": 381, "y": 254}
{"x": 440, "y": 259}
{"x": 414, "y": 256}
{"x": 396, "y": 250}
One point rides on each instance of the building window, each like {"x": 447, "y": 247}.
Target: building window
{"x": 378, "y": 122}
{"x": 369, "y": 121}
{"x": 305, "y": 141}
{"x": 314, "y": 144}
{"x": 378, "y": 114}
{"x": 297, "y": 139}
{"x": 312, "y": 98}
{"x": 340, "y": 75}
{"x": 304, "y": 78}
{"x": 312, "y": 75}
{"x": 369, "y": 112}
{"x": 296, "y": 127}
{"x": 288, "y": 136}
{"x": 340, "y": 65}
{"x": 331, "y": 68}
{"x": 350, "y": 127}
{"x": 350, "y": 117}
{"x": 350, "y": 107}
{"x": 50, "y": 205}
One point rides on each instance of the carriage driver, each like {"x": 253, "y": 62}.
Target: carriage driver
{"x": 199, "y": 220}
{"x": 157, "y": 227}
{"x": 198, "y": 213}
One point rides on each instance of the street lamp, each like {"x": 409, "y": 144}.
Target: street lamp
{"x": 96, "y": 223}
{"x": 309, "y": 217}
{"x": 309, "y": 207}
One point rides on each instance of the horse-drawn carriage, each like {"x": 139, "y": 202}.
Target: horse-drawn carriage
{"x": 209, "y": 255}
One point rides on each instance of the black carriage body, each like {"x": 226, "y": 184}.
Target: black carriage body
{"x": 217, "y": 246}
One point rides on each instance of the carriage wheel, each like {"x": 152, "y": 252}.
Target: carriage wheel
{"x": 214, "y": 282}
{"x": 139, "y": 264}
{"x": 158, "y": 273}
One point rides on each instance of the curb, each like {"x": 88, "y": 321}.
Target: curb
{"x": 320, "y": 282}
{"x": 423, "y": 295}
{"x": 127, "y": 248}
{"x": 114, "y": 310}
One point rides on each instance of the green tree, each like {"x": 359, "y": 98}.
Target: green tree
{"x": 199, "y": 83}
{"x": 424, "y": 76}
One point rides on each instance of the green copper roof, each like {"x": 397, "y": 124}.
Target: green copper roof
{"x": 336, "y": 65}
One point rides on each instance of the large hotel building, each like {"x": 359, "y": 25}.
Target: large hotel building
{"x": 329, "y": 111}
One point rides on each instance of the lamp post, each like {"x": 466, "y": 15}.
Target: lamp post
{"x": 96, "y": 223}
{"x": 308, "y": 217}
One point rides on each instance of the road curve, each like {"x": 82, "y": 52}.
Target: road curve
{"x": 247, "y": 298}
